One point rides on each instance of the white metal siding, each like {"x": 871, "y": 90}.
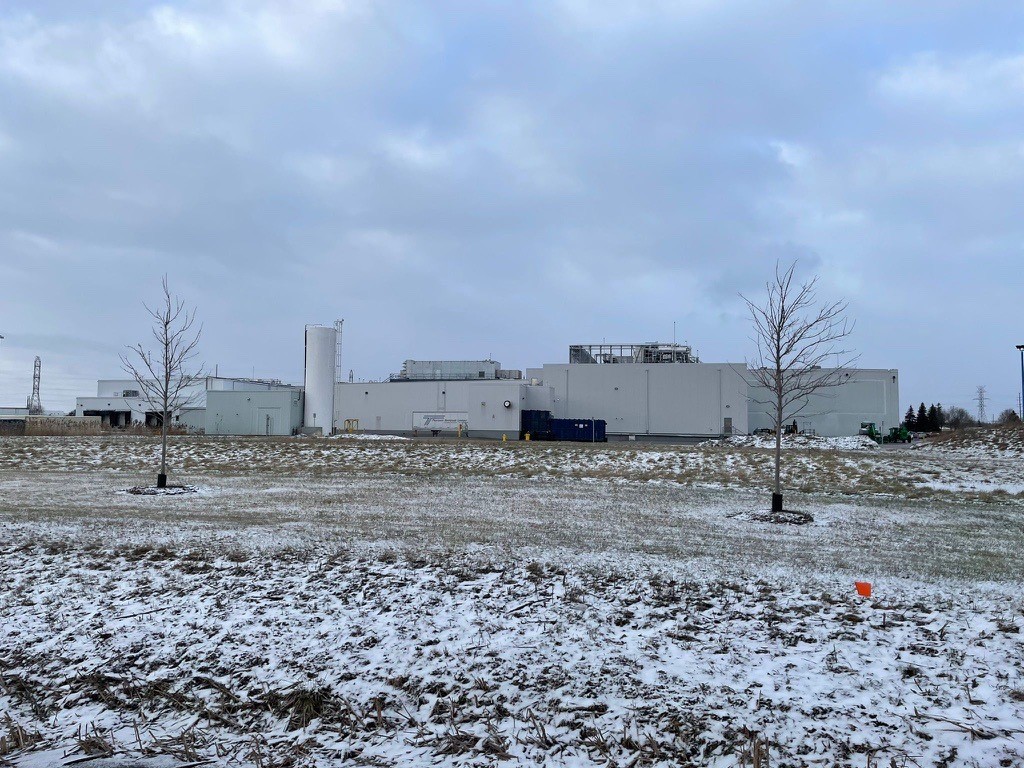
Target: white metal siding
{"x": 389, "y": 406}
{"x": 682, "y": 399}
{"x": 866, "y": 395}
{"x": 245, "y": 413}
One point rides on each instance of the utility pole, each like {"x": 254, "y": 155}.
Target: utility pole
{"x": 981, "y": 399}
{"x": 1020, "y": 348}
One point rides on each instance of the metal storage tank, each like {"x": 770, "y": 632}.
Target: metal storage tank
{"x": 319, "y": 377}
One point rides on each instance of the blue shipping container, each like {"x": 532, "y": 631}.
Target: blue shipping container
{"x": 579, "y": 430}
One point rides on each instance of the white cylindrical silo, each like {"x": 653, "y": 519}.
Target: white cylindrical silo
{"x": 318, "y": 410}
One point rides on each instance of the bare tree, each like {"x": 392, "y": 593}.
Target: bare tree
{"x": 959, "y": 418}
{"x": 167, "y": 377}
{"x": 796, "y": 339}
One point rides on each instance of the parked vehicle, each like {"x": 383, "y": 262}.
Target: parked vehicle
{"x": 870, "y": 429}
{"x": 897, "y": 435}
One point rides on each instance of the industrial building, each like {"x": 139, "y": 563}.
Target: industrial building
{"x": 476, "y": 398}
{"x": 120, "y": 403}
{"x": 864, "y": 395}
{"x": 647, "y": 391}
{"x": 489, "y": 408}
{"x": 253, "y": 412}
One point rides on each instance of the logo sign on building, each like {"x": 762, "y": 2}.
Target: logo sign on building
{"x": 443, "y": 421}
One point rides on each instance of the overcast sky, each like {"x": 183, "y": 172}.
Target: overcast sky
{"x": 458, "y": 180}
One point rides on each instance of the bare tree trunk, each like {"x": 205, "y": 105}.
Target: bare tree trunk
{"x": 777, "y": 493}
{"x": 161, "y": 478}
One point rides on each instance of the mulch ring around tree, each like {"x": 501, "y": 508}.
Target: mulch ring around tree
{"x": 152, "y": 490}
{"x": 785, "y": 517}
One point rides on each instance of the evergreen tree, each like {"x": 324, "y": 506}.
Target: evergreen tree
{"x": 933, "y": 418}
{"x": 922, "y": 419}
{"x": 910, "y": 420}
{"x": 940, "y": 417}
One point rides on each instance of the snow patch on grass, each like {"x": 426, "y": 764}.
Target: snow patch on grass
{"x": 1003, "y": 442}
{"x": 355, "y": 436}
{"x": 850, "y": 443}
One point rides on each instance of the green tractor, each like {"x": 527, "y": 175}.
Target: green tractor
{"x": 897, "y": 435}
{"x": 870, "y": 429}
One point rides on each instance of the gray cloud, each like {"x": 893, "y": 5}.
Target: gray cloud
{"x": 463, "y": 179}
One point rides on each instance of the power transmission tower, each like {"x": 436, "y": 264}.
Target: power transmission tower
{"x": 34, "y": 404}
{"x": 981, "y": 398}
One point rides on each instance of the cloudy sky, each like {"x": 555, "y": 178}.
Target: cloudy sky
{"x": 458, "y": 180}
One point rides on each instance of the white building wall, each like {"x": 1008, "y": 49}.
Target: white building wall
{"x": 389, "y": 407}
{"x": 114, "y": 388}
{"x": 110, "y": 397}
{"x": 192, "y": 419}
{"x": 866, "y": 395}
{"x": 653, "y": 401}
{"x": 539, "y": 398}
{"x": 277, "y": 412}
{"x": 224, "y": 384}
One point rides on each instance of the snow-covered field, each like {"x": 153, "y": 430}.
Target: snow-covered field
{"x": 437, "y": 603}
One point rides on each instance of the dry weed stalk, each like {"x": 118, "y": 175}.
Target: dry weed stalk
{"x": 17, "y": 737}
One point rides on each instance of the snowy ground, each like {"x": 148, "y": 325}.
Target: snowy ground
{"x": 852, "y": 443}
{"x": 421, "y": 603}
{"x": 979, "y": 443}
{"x": 361, "y": 436}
